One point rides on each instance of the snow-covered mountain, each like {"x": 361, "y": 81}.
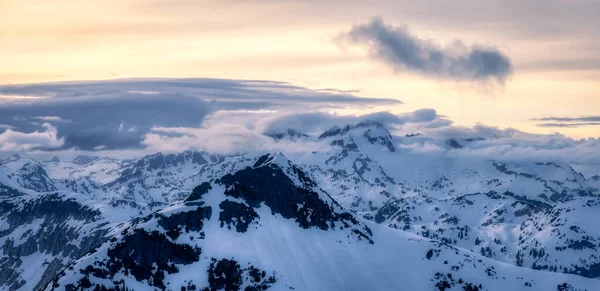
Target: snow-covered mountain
{"x": 269, "y": 227}
{"x": 480, "y": 205}
{"x": 483, "y": 213}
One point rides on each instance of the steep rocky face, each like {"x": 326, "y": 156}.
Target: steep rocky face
{"x": 40, "y": 234}
{"x": 32, "y": 176}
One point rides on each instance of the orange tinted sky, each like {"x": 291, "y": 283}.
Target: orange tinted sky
{"x": 553, "y": 46}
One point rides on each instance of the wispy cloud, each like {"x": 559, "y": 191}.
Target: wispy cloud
{"x": 580, "y": 121}
{"x": 580, "y": 124}
{"x": 53, "y": 119}
{"x": 404, "y": 51}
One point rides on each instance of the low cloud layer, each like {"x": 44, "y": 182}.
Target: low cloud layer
{"x": 403, "y": 51}
{"x": 422, "y": 132}
{"x": 115, "y": 115}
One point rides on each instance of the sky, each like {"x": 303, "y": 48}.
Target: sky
{"x": 530, "y": 66}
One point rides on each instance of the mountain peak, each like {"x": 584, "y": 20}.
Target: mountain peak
{"x": 55, "y": 159}
{"x": 270, "y": 159}
{"x": 381, "y": 136}
{"x": 370, "y": 123}
{"x": 374, "y": 132}
{"x": 12, "y": 158}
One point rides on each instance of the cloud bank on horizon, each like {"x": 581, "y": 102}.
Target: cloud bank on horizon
{"x": 404, "y": 51}
{"x": 232, "y": 116}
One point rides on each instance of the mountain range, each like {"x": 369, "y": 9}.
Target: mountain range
{"x": 363, "y": 213}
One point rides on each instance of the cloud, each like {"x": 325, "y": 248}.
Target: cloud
{"x": 243, "y": 132}
{"x": 403, "y": 51}
{"x": 38, "y": 140}
{"x": 227, "y": 116}
{"x": 116, "y": 115}
{"x": 580, "y": 124}
{"x": 52, "y": 119}
{"x": 488, "y": 142}
{"x": 224, "y": 139}
{"x": 96, "y": 118}
{"x": 568, "y": 121}
{"x": 316, "y": 122}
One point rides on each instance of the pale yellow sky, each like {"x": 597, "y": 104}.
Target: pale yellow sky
{"x": 552, "y": 45}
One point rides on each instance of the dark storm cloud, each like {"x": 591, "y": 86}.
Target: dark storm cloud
{"x": 403, "y": 51}
{"x": 112, "y": 115}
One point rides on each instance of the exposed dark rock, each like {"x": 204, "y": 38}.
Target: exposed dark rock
{"x": 236, "y": 214}
{"x": 5, "y": 192}
{"x": 228, "y": 275}
{"x": 270, "y": 185}
{"x": 199, "y": 191}
{"x": 385, "y": 140}
{"x": 335, "y": 131}
{"x": 193, "y": 220}
{"x": 453, "y": 143}
{"x": 146, "y": 256}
